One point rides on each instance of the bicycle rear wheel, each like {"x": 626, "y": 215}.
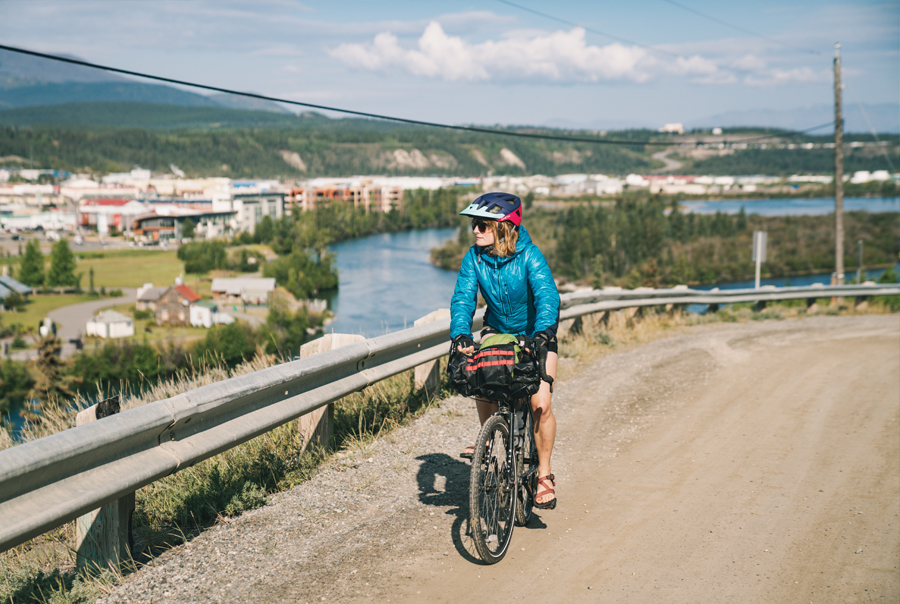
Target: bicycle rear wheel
{"x": 492, "y": 500}
{"x": 526, "y": 470}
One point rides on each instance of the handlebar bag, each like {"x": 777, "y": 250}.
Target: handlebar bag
{"x": 498, "y": 371}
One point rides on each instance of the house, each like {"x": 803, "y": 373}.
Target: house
{"x": 206, "y": 314}
{"x": 174, "y": 307}
{"x": 110, "y": 324}
{"x": 148, "y": 297}
{"x": 11, "y": 284}
{"x": 243, "y": 290}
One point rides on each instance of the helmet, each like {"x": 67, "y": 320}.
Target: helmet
{"x": 496, "y": 206}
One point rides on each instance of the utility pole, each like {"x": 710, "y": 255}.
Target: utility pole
{"x": 859, "y": 262}
{"x": 838, "y": 171}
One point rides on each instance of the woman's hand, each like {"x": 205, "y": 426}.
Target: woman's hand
{"x": 465, "y": 344}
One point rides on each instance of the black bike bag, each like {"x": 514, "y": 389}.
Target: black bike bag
{"x": 498, "y": 371}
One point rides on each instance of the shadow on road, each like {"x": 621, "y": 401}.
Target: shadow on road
{"x": 440, "y": 468}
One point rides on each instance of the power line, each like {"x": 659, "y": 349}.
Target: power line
{"x": 402, "y": 120}
{"x": 738, "y": 27}
{"x": 593, "y": 31}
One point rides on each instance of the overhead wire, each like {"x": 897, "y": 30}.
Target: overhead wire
{"x": 402, "y": 120}
{"x": 739, "y": 28}
{"x": 585, "y": 27}
{"x": 887, "y": 156}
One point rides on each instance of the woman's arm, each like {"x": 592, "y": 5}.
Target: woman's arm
{"x": 546, "y": 296}
{"x": 465, "y": 297}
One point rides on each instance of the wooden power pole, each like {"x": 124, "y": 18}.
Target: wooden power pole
{"x": 838, "y": 171}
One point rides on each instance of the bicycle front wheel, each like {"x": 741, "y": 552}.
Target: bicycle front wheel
{"x": 492, "y": 496}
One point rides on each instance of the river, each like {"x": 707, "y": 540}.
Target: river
{"x": 815, "y": 206}
{"x": 387, "y": 281}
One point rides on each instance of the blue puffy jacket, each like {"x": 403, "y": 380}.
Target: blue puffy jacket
{"x": 519, "y": 291}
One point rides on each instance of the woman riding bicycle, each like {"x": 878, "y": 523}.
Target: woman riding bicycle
{"x": 521, "y": 296}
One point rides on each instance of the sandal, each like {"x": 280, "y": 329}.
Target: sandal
{"x": 468, "y": 452}
{"x": 548, "y": 489}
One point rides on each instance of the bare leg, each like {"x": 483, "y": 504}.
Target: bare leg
{"x": 485, "y": 409}
{"x": 544, "y": 424}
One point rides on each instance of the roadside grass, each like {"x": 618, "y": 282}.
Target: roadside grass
{"x": 179, "y": 507}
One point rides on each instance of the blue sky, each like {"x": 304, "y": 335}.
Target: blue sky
{"x": 488, "y": 62}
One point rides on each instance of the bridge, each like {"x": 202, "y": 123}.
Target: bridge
{"x": 773, "y": 445}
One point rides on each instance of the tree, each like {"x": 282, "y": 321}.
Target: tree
{"x": 52, "y": 386}
{"x": 529, "y": 199}
{"x": 187, "y": 229}
{"x": 31, "y": 270}
{"x": 14, "y": 301}
{"x": 62, "y": 266}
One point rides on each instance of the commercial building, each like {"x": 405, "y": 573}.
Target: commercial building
{"x": 105, "y": 214}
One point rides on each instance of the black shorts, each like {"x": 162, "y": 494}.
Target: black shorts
{"x": 552, "y": 345}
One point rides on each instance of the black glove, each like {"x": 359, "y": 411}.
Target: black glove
{"x": 525, "y": 343}
{"x": 541, "y": 348}
{"x": 542, "y": 340}
{"x": 462, "y": 341}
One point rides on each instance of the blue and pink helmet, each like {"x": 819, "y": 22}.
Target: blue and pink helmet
{"x": 496, "y": 206}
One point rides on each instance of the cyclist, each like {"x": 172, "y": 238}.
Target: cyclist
{"x": 521, "y": 296}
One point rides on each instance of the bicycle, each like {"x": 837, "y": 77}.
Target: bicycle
{"x": 505, "y": 462}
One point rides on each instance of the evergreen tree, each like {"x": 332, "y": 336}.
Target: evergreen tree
{"x": 741, "y": 220}
{"x": 62, "y": 266}
{"x": 187, "y": 229}
{"x": 31, "y": 270}
{"x": 51, "y": 387}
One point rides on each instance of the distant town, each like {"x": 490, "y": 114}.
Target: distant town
{"x": 152, "y": 208}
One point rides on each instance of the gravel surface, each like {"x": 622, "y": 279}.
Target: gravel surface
{"x": 659, "y": 446}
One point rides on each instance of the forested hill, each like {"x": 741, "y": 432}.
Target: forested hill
{"x": 214, "y": 141}
{"x": 105, "y": 137}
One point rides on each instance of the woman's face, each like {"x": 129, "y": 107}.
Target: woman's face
{"x": 484, "y": 235}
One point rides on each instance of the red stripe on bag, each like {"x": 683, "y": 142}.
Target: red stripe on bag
{"x": 494, "y": 352}
{"x": 488, "y": 364}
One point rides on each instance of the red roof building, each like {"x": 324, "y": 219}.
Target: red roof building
{"x": 190, "y": 295}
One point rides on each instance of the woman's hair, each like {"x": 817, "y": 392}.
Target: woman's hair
{"x": 506, "y": 235}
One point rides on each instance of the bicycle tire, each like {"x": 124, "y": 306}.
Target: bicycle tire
{"x": 492, "y": 503}
{"x": 526, "y": 460}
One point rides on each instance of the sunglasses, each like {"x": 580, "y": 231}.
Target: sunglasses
{"x": 480, "y": 225}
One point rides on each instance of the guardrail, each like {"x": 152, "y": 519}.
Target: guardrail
{"x": 55, "y": 479}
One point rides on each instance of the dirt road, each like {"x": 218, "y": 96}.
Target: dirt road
{"x": 755, "y": 462}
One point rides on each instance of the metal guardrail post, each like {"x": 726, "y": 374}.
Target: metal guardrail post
{"x": 428, "y": 374}
{"x": 103, "y": 537}
{"x": 317, "y": 427}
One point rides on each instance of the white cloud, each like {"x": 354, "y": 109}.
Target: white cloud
{"x": 562, "y": 56}
{"x": 798, "y": 75}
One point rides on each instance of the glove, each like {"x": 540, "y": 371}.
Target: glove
{"x": 525, "y": 343}
{"x": 462, "y": 341}
{"x": 542, "y": 340}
